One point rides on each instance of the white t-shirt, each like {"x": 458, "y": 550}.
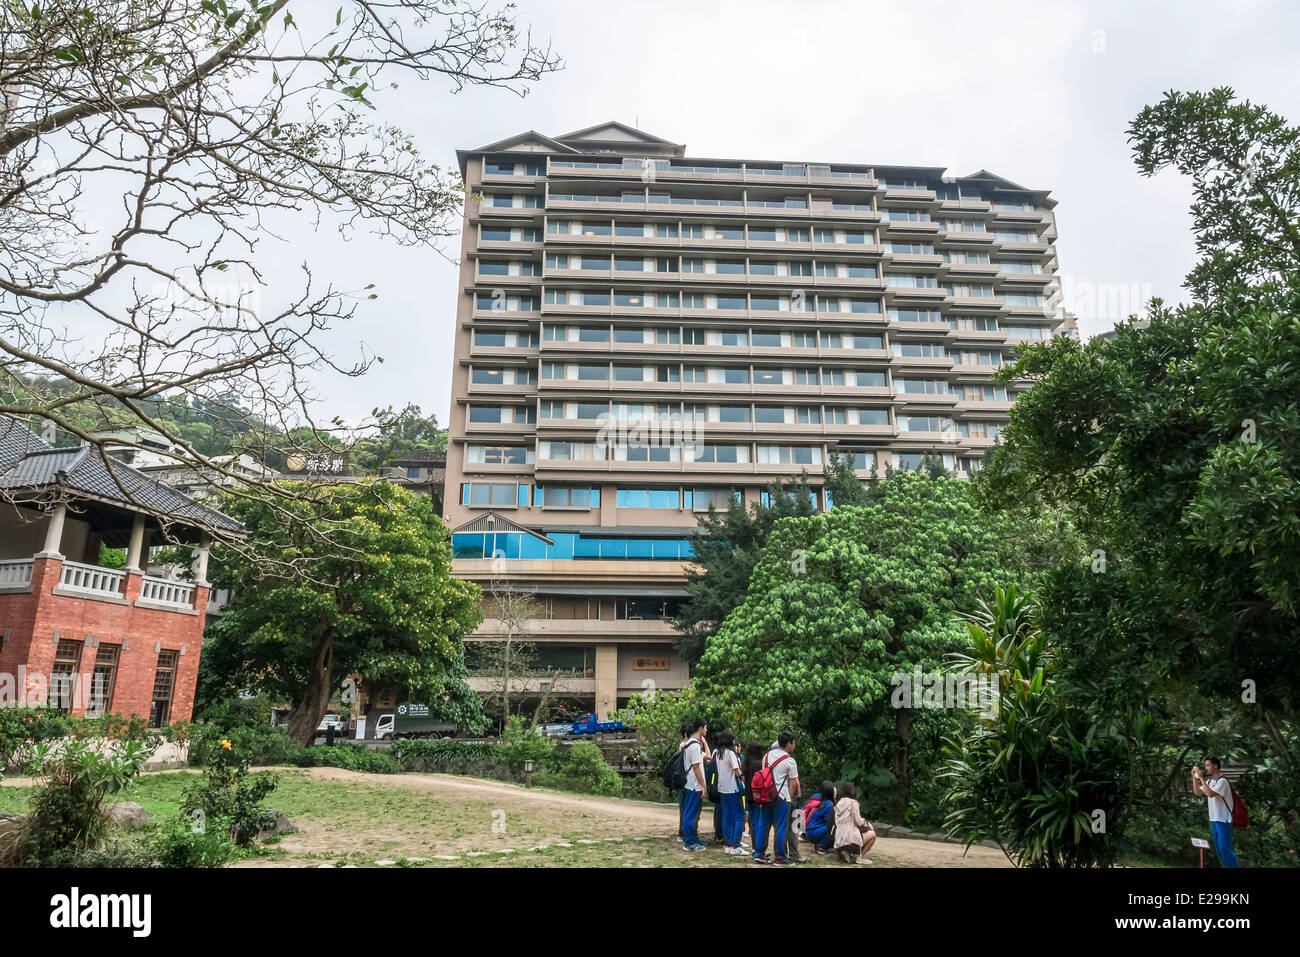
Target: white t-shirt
{"x": 694, "y": 757}
{"x": 1221, "y": 806}
{"x": 782, "y": 773}
{"x": 727, "y": 765}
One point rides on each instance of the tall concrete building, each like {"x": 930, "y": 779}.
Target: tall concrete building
{"x": 641, "y": 334}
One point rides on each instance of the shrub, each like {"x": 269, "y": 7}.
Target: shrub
{"x": 476, "y": 758}
{"x": 646, "y": 787}
{"x": 116, "y": 727}
{"x": 116, "y": 855}
{"x": 256, "y": 743}
{"x": 524, "y": 744}
{"x": 67, "y": 817}
{"x": 23, "y": 728}
{"x": 353, "y": 757}
{"x": 230, "y": 795}
{"x": 588, "y": 766}
{"x": 178, "y": 732}
{"x": 196, "y": 843}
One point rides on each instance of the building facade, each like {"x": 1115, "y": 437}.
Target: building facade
{"x": 76, "y": 634}
{"x": 641, "y": 334}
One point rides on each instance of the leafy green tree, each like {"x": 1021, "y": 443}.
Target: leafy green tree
{"x": 161, "y": 135}
{"x": 1174, "y": 449}
{"x": 727, "y": 546}
{"x": 1243, "y": 161}
{"x": 841, "y": 603}
{"x": 377, "y": 598}
{"x": 1036, "y": 776}
{"x": 406, "y": 433}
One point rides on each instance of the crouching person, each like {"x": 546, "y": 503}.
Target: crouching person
{"x": 854, "y": 834}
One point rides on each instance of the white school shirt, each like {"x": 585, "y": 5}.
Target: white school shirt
{"x": 783, "y": 772}
{"x": 1221, "y": 806}
{"x": 692, "y": 760}
{"x": 727, "y": 765}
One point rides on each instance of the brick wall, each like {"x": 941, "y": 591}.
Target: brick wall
{"x": 33, "y": 619}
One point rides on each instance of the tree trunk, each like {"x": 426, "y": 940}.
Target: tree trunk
{"x": 316, "y": 698}
{"x": 505, "y": 686}
{"x": 902, "y": 725}
{"x": 543, "y": 700}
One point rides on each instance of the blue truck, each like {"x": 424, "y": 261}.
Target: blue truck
{"x": 588, "y": 724}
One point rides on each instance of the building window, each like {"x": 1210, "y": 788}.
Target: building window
{"x": 648, "y": 498}
{"x": 64, "y": 674}
{"x": 554, "y": 496}
{"x": 489, "y": 494}
{"x": 102, "y": 680}
{"x": 164, "y": 681}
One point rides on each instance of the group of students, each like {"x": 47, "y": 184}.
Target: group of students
{"x": 760, "y": 788}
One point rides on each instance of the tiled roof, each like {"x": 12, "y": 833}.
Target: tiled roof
{"x": 27, "y": 463}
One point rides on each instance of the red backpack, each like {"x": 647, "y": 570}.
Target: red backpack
{"x": 809, "y": 808}
{"x": 763, "y": 789}
{"x": 1240, "y": 816}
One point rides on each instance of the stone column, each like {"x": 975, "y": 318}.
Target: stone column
{"x": 201, "y": 560}
{"x": 134, "y": 551}
{"x": 54, "y": 533}
{"x": 606, "y": 681}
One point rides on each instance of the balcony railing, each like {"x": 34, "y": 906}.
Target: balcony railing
{"x": 164, "y": 591}
{"x": 16, "y": 573}
{"x": 91, "y": 579}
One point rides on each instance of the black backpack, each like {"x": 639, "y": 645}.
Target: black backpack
{"x": 674, "y": 773}
{"x": 675, "y": 770}
{"x": 711, "y": 780}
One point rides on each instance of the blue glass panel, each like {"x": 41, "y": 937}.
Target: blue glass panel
{"x": 564, "y": 546}
{"x": 639, "y": 548}
{"x": 467, "y": 545}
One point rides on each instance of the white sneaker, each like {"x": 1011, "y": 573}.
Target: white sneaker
{"x": 863, "y": 860}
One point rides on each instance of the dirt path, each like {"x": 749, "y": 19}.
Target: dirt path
{"x": 345, "y": 817}
{"x": 458, "y": 818}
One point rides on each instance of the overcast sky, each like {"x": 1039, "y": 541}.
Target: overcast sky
{"x": 1040, "y": 93}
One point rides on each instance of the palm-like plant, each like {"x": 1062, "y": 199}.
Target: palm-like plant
{"x": 1033, "y": 776}
{"x": 1004, "y": 642}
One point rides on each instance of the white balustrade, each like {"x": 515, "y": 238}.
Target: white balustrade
{"x": 164, "y": 591}
{"x": 16, "y": 573}
{"x": 91, "y": 579}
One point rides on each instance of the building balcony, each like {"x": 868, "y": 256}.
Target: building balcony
{"x": 562, "y": 683}
{"x": 1040, "y": 247}
{"x": 1034, "y": 279}
{"x": 974, "y": 302}
{"x": 908, "y": 227}
{"x": 16, "y": 575}
{"x": 998, "y": 407}
{"x": 980, "y": 270}
{"x": 511, "y": 179}
{"x": 903, "y": 364}
{"x": 922, "y": 260}
{"x": 563, "y": 629}
{"x": 966, "y": 206}
{"x": 90, "y": 581}
{"x": 1019, "y": 217}
{"x": 947, "y": 399}
{"x": 909, "y": 195}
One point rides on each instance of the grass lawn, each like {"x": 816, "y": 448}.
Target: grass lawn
{"x": 429, "y": 820}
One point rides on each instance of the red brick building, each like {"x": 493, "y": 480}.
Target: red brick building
{"x": 78, "y": 635}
